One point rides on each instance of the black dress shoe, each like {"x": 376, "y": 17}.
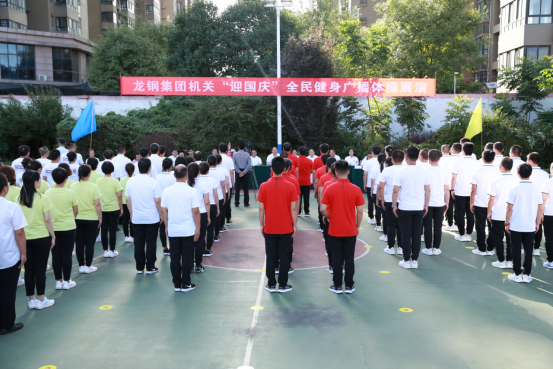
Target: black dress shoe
{"x": 16, "y": 327}
{"x": 237, "y": 205}
{"x": 246, "y": 205}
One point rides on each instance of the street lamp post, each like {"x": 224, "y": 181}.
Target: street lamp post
{"x": 455, "y": 83}
{"x": 278, "y": 5}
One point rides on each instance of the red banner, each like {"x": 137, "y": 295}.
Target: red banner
{"x": 227, "y": 86}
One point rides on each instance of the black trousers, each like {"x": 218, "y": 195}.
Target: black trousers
{"x": 537, "y": 237}
{"x": 378, "y": 211}
{"x": 304, "y": 199}
{"x": 163, "y": 235}
{"x": 384, "y": 219}
{"x": 181, "y": 248}
{"x": 462, "y": 205}
{"x": 110, "y": 220}
{"x": 481, "y": 219}
{"x": 221, "y": 218}
{"x": 328, "y": 249}
{"x": 433, "y": 220}
{"x": 210, "y": 230}
{"x": 548, "y": 233}
{"x": 498, "y": 232}
{"x": 127, "y": 222}
{"x": 278, "y": 247}
{"x": 239, "y": 183}
{"x": 85, "y": 237}
{"x": 343, "y": 252}
{"x": 450, "y": 211}
{"x": 8, "y": 289}
{"x": 393, "y": 227}
{"x": 228, "y": 210}
{"x": 521, "y": 240}
{"x": 410, "y": 222}
{"x": 370, "y": 202}
{"x": 199, "y": 246}
{"x": 320, "y": 215}
{"x": 62, "y": 254}
{"x": 38, "y": 251}
{"x": 145, "y": 244}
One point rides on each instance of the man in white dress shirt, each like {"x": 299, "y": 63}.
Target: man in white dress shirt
{"x": 121, "y": 160}
{"x": 108, "y": 156}
{"x": 515, "y": 153}
{"x": 228, "y": 164}
{"x": 272, "y": 155}
{"x": 256, "y": 160}
{"x": 174, "y": 154}
{"x": 538, "y": 178}
{"x": 369, "y": 164}
{"x": 145, "y": 154}
{"x": 498, "y": 149}
{"x": 462, "y": 173}
{"x": 24, "y": 152}
{"x": 157, "y": 161}
{"x": 448, "y": 165}
{"x": 61, "y": 146}
{"x": 445, "y": 156}
{"x": 72, "y": 146}
{"x": 44, "y": 153}
{"x": 334, "y": 155}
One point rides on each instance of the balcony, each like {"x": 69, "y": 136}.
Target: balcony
{"x": 483, "y": 29}
{"x": 363, "y": 19}
{"x": 363, "y": 2}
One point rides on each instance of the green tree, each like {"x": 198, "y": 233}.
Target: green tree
{"x": 411, "y": 114}
{"x": 125, "y": 51}
{"x": 524, "y": 79}
{"x": 504, "y": 104}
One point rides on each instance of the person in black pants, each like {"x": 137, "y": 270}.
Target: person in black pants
{"x": 385, "y": 190}
{"x": 242, "y": 162}
{"x": 203, "y": 193}
{"x": 111, "y": 198}
{"x": 462, "y": 174}
{"x": 126, "y": 218}
{"x": 226, "y": 209}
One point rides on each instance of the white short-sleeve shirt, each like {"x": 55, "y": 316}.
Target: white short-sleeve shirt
{"x": 497, "y": 160}
{"x": 11, "y": 219}
{"x": 423, "y": 164}
{"x": 538, "y": 177}
{"x": 387, "y": 176}
{"x": 143, "y": 190}
{"x": 448, "y": 165}
{"x": 165, "y": 179}
{"x": 270, "y": 158}
{"x": 483, "y": 179}
{"x": 116, "y": 169}
{"x": 352, "y": 160}
{"x": 226, "y": 174}
{"x": 47, "y": 172}
{"x": 17, "y": 166}
{"x": 218, "y": 174}
{"x": 74, "y": 171}
{"x": 202, "y": 188}
{"x": 525, "y": 199}
{"x": 547, "y": 188}
{"x": 464, "y": 168}
{"x": 256, "y": 160}
{"x": 78, "y": 161}
{"x": 228, "y": 164}
{"x": 369, "y": 164}
{"x": 500, "y": 189}
{"x": 153, "y": 171}
{"x": 375, "y": 171}
{"x": 180, "y": 199}
{"x": 157, "y": 162}
{"x": 211, "y": 184}
{"x": 517, "y": 161}
{"x": 443, "y": 160}
{"x": 44, "y": 161}
{"x": 122, "y": 161}
{"x": 438, "y": 177}
{"x": 412, "y": 180}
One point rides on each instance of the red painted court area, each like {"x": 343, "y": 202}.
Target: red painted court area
{"x": 245, "y": 249}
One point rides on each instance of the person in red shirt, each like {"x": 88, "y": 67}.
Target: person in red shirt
{"x": 305, "y": 168}
{"x": 325, "y": 221}
{"x": 288, "y": 176}
{"x": 342, "y": 205}
{"x": 318, "y": 162}
{"x": 277, "y": 216}
{"x": 288, "y": 148}
{"x": 318, "y": 174}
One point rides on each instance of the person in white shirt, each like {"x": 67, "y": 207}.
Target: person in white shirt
{"x": 380, "y": 199}
{"x": 367, "y": 157}
{"x": 61, "y": 146}
{"x": 312, "y": 155}
{"x": 465, "y": 140}
{"x": 256, "y": 160}
{"x": 547, "y": 188}
{"x": 180, "y": 209}
{"x": 49, "y": 168}
{"x": 165, "y": 179}
{"x": 334, "y": 155}
{"x": 373, "y": 176}
{"x": 448, "y": 166}
{"x": 24, "y": 152}
{"x": 121, "y": 160}
{"x": 108, "y": 156}
{"x": 213, "y": 186}
{"x": 228, "y": 193}
{"x": 489, "y": 147}
{"x": 352, "y": 159}
{"x": 523, "y": 218}
{"x": 498, "y": 149}
{"x": 388, "y": 150}
{"x": 197, "y": 158}
{"x": 72, "y": 147}
{"x": 174, "y": 155}
{"x": 369, "y": 164}
{"x": 44, "y": 153}
{"x": 462, "y": 173}
{"x": 143, "y": 197}
{"x": 479, "y": 198}
{"x": 72, "y": 157}
{"x": 272, "y": 155}
{"x": 423, "y": 159}
{"x": 515, "y": 154}
{"x": 445, "y": 155}
{"x": 228, "y": 164}
{"x": 497, "y": 208}
{"x": 412, "y": 194}
{"x": 203, "y": 190}
{"x": 222, "y": 188}
{"x": 145, "y": 154}
{"x": 386, "y": 189}
{"x": 155, "y": 158}
{"x": 13, "y": 255}
{"x": 538, "y": 178}
{"x": 439, "y": 200}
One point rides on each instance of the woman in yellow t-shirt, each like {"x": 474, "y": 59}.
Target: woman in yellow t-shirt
{"x": 67, "y": 168}
{"x": 88, "y": 219}
{"x": 13, "y": 190}
{"x": 112, "y": 208}
{"x": 129, "y": 236}
{"x": 40, "y": 238}
{"x": 37, "y": 166}
{"x": 94, "y": 175}
{"x": 64, "y": 210}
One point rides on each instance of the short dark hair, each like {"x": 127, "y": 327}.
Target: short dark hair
{"x": 445, "y": 148}
{"x": 84, "y": 171}
{"x": 3, "y": 182}
{"x": 223, "y": 147}
{"x": 499, "y": 146}
{"x": 241, "y": 145}
{"x": 93, "y": 162}
{"x": 507, "y": 163}
{"x": 174, "y": 149}
{"x": 398, "y": 156}
{"x": 219, "y": 158}
{"x": 288, "y": 163}
{"x": 70, "y": 144}
{"x": 154, "y": 148}
{"x": 61, "y": 141}
{"x": 23, "y": 150}
{"x": 412, "y": 153}
{"x": 71, "y": 156}
{"x": 516, "y": 150}
{"x": 188, "y": 160}
{"x": 323, "y": 148}
{"x": 424, "y": 154}
{"x": 59, "y": 175}
{"x": 180, "y": 171}
{"x": 341, "y": 167}
{"x": 166, "y": 163}
{"x": 211, "y": 160}
{"x": 197, "y": 156}
{"x": 488, "y": 156}
{"x": 161, "y": 149}
{"x": 457, "y": 147}
{"x": 287, "y": 146}
{"x": 55, "y": 154}
{"x": 376, "y": 150}
{"x": 180, "y": 161}
{"x": 144, "y": 152}
{"x": 324, "y": 158}
{"x": 524, "y": 170}
{"x": 489, "y": 146}
{"x": 107, "y": 167}
{"x": 278, "y": 165}
{"x": 120, "y": 149}
{"x": 468, "y": 148}
{"x": 303, "y": 150}
{"x": 434, "y": 155}
{"x": 330, "y": 161}
{"x": 464, "y": 140}
{"x": 108, "y": 154}
{"x": 535, "y": 157}
{"x": 43, "y": 150}
{"x": 204, "y": 168}
{"x": 143, "y": 165}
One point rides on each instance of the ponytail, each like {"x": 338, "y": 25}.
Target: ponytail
{"x": 84, "y": 171}
{"x": 193, "y": 170}
{"x": 28, "y": 191}
{"x": 381, "y": 159}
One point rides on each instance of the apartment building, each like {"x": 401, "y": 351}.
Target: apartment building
{"x": 367, "y": 14}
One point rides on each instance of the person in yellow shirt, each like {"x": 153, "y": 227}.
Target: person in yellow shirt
{"x": 112, "y": 208}
{"x": 88, "y": 219}
{"x": 69, "y": 181}
{"x": 40, "y": 238}
{"x": 93, "y": 162}
{"x": 129, "y": 236}
{"x": 13, "y": 191}
{"x": 64, "y": 210}
{"x": 37, "y": 166}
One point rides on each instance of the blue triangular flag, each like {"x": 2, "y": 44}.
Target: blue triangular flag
{"x": 86, "y": 123}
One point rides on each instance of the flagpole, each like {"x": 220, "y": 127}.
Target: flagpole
{"x": 91, "y": 124}
{"x": 481, "y": 128}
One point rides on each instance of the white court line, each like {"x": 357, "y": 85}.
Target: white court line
{"x": 249, "y": 347}
{"x": 545, "y": 290}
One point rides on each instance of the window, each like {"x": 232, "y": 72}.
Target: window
{"x": 537, "y": 52}
{"x": 11, "y": 24}
{"x": 66, "y": 66}
{"x": 52, "y": 20}
{"x": 73, "y": 26}
{"x": 539, "y": 11}
{"x": 107, "y": 17}
{"x": 484, "y": 8}
{"x": 124, "y": 4}
{"x": 107, "y": 2}
{"x": 61, "y": 24}
{"x": 519, "y": 9}
{"x": 150, "y": 9}
{"x": 14, "y": 4}
{"x": 17, "y": 61}
{"x": 481, "y": 77}
{"x": 508, "y": 59}
{"x": 127, "y": 22}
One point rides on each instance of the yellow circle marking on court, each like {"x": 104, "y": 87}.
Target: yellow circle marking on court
{"x": 469, "y": 247}
{"x": 405, "y": 310}
{"x": 48, "y": 367}
{"x": 507, "y": 273}
{"x": 368, "y": 246}
{"x": 262, "y": 270}
{"x": 384, "y": 272}
{"x": 257, "y": 308}
{"x": 360, "y": 228}
{"x": 105, "y": 307}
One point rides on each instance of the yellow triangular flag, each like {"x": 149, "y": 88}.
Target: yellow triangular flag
{"x": 475, "y": 124}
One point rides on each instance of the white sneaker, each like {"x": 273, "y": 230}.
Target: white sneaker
{"x": 106, "y": 254}
{"x": 73, "y": 254}
{"x": 405, "y": 264}
{"x": 536, "y": 252}
{"x": 526, "y": 278}
{"x": 90, "y": 269}
{"x": 436, "y": 251}
{"x": 468, "y": 238}
{"x": 515, "y": 278}
{"x": 59, "y": 285}
{"x": 521, "y": 251}
{"x": 127, "y": 240}
{"x": 454, "y": 228}
{"x": 323, "y": 240}
{"x": 548, "y": 265}
{"x": 383, "y": 238}
{"x": 372, "y": 221}
{"x": 414, "y": 264}
{"x": 504, "y": 239}
{"x": 478, "y": 252}
{"x": 426, "y": 251}
{"x": 32, "y": 304}
{"x": 48, "y": 267}
{"x": 44, "y": 304}
{"x": 499, "y": 264}
{"x": 459, "y": 237}
{"x": 490, "y": 253}
{"x": 99, "y": 239}
{"x": 508, "y": 265}
{"x": 131, "y": 239}
{"x": 67, "y": 285}
{"x": 378, "y": 228}
{"x": 112, "y": 254}
{"x": 20, "y": 282}
{"x": 422, "y": 238}
{"x": 389, "y": 251}
{"x": 399, "y": 251}
{"x": 81, "y": 269}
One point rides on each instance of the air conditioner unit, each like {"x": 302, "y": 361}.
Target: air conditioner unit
{"x": 42, "y": 78}
{"x": 163, "y": 7}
